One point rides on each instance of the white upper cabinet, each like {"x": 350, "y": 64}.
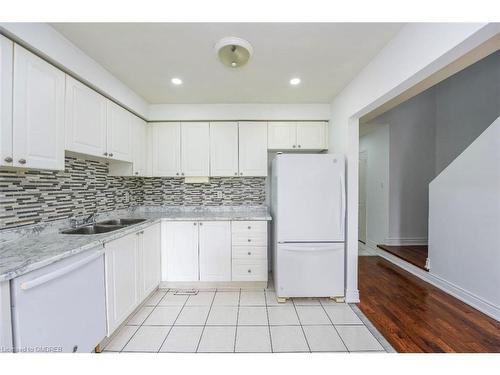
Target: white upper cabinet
{"x": 85, "y": 119}
{"x": 165, "y": 144}
{"x": 215, "y": 250}
{"x": 312, "y": 135}
{"x": 38, "y": 113}
{"x": 195, "y": 149}
{"x": 223, "y": 149}
{"x": 6, "y": 72}
{"x": 119, "y": 132}
{"x": 139, "y": 141}
{"x": 252, "y": 148}
{"x": 180, "y": 260}
{"x": 282, "y": 135}
{"x": 298, "y": 135}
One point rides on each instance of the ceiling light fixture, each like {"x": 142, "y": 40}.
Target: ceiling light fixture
{"x": 294, "y": 81}
{"x": 176, "y": 81}
{"x": 233, "y": 52}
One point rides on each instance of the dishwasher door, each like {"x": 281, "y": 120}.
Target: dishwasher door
{"x": 61, "y": 307}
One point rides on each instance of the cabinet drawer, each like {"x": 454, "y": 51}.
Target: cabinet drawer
{"x": 249, "y": 252}
{"x": 249, "y": 227}
{"x": 249, "y": 270}
{"x": 249, "y": 239}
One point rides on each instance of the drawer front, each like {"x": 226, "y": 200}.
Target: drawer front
{"x": 249, "y": 252}
{"x": 255, "y": 239}
{"x": 249, "y": 227}
{"x": 249, "y": 271}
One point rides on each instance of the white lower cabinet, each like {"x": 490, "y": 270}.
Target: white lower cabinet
{"x": 180, "y": 260}
{"x": 215, "y": 250}
{"x": 132, "y": 269}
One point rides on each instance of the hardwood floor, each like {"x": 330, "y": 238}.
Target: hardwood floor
{"x": 416, "y": 255}
{"x": 416, "y": 317}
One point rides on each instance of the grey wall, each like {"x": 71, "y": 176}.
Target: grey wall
{"x": 428, "y": 132}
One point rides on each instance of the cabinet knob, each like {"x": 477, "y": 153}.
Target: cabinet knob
{"x": 241, "y": 173}
{"x": 194, "y": 223}
{"x": 249, "y": 227}
{"x": 111, "y": 155}
{"x": 105, "y": 154}
{"x": 182, "y": 174}
{"x": 236, "y": 173}
{"x": 293, "y": 146}
{"x": 8, "y": 159}
{"x": 201, "y": 223}
{"x": 249, "y": 240}
{"x": 136, "y": 173}
{"x": 298, "y": 146}
{"x": 22, "y": 161}
{"x": 249, "y": 271}
{"x": 249, "y": 253}
{"x": 177, "y": 174}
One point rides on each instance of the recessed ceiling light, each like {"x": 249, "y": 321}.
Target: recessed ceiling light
{"x": 176, "y": 81}
{"x": 294, "y": 81}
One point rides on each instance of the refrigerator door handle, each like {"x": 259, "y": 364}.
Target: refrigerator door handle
{"x": 308, "y": 249}
{"x": 342, "y": 204}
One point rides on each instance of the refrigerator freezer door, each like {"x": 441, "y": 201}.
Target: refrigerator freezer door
{"x": 310, "y": 270}
{"x": 310, "y": 198}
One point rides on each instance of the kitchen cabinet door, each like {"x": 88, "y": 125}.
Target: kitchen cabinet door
{"x": 215, "y": 250}
{"x": 149, "y": 255}
{"x": 38, "y": 112}
{"x": 121, "y": 268}
{"x": 252, "y": 148}
{"x": 85, "y": 120}
{"x": 181, "y": 251}
{"x": 139, "y": 139}
{"x": 223, "y": 149}
{"x": 282, "y": 135}
{"x": 119, "y": 132}
{"x": 165, "y": 141}
{"x": 6, "y": 72}
{"x": 311, "y": 136}
{"x": 195, "y": 148}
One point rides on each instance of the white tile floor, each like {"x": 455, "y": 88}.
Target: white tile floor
{"x": 251, "y": 321}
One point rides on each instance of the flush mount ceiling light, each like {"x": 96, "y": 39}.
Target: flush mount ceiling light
{"x": 294, "y": 81}
{"x": 233, "y": 52}
{"x": 176, "y": 81}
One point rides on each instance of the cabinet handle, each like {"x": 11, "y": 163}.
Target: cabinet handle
{"x": 182, "y": 174}
{"x": 298, "y": 146}
{"x": 249, "y": 253}
{"x": 249, "y": 240}
{"x": 22, "y": 161}
{"x": 194, "y": 223}
{"x": 241, "y": 173}
{"x": 111, "y": 155}
{"x": 249, "y": 227}
{"x": 249, "y": 271}
{"x": 177, "y": 174}
{"x": 236, "y": 173}
{"x": 293, "y": 146}
{"x": 201, "y": 223}
{"x": 105, "y": 154}
{"x": 8, "y": 159}
{"x": 136, "y": 173}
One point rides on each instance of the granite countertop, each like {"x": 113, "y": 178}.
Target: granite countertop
{"x": 26, "y": 249}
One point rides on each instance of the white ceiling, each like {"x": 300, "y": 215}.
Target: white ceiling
{"x": 145, "y": 56}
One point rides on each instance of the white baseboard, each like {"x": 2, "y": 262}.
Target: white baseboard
{"x": 454, "y": 290}
{"x": 405, "y": 241}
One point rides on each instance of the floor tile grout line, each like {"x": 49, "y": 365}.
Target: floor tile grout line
{"x": 173, "y": 324}
{"x": 140, "y": 325}
{"x": 302, "y": 328}
{"x": 237, "y": 319}
{"x": 335, "y": 328}
{"x": 206, "y": 320}
{"x": 268, "y": 323}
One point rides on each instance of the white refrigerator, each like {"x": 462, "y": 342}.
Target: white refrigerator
{"x": 308, "y": 209}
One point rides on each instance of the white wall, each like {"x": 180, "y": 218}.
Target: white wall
{"x": 466, "y": 104}
{"x": 414, "y": 54}
{"x": 375, "y": 144}
{"x": 53, "y": 46}
{"x": 464, "y": 222}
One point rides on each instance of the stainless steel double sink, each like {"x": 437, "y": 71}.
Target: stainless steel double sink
{"x": 103, "y": 226}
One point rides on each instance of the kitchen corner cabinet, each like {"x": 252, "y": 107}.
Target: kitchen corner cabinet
{"x": 195, "y": 149}
{"x": 6, "y": 73}
{"x": 38, "y": 113}
{"x": 139, "y": 142}
{"x": 164, "y": 139}
{"x": 85, "y": 123}
{"x": 223, "y": 149}
{"x": 298, "y": 135}
{"x": 252, "y": 148}
{"x": 132, "y": 272}
{"x": 119, "y": 132}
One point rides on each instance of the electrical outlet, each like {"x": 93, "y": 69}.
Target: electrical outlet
{"x": 219, "y": 195}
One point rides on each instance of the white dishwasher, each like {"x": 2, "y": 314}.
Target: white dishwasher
{"x": 61, "y": 307}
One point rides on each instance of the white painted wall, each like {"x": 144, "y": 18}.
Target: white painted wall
{"x": 466, "y": 104}
{"x": 418, "y": 51}
{"x": 464, "y": 221}
{"x": 265, "y": 112}
{"x": 53, "y": 46}
{"x": 376, "y": 146}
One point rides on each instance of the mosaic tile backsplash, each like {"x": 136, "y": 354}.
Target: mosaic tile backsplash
{"x": 29, "y": 197}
